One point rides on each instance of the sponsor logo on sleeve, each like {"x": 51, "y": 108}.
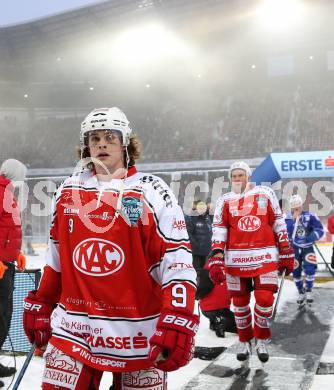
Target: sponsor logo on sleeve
{"x": 180, "y": 266}
{"x": 179, "y": 224}
{"x": 217, "y": 218}
{"x": 157, "y": 186}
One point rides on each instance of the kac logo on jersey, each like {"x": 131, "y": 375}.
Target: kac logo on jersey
{"x": 249, "y": 223}
{"x": 98, "y": 257}
{"x": 132, "y": 209}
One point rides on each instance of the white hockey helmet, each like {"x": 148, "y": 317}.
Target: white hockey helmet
{"x": 106, "y": 119}
{"x": 240, "y": 165}
{"x": 295, "y": 201}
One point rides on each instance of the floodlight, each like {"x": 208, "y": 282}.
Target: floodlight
{"x": 146, "y": 43}
{"x": 280, "y": 15}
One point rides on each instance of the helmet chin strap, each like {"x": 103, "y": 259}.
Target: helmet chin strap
{"x": 121, "y": 191}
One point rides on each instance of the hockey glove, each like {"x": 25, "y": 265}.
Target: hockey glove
{"x": 286, "y": 261}
{"x": 216, "y": 269}
{"x": 172, "y": 345}
{"x": 3, "y": 268}
{"x": 311, "y": 238}
{"x": 36, "y": 319}
{"x": 21, "y": 262}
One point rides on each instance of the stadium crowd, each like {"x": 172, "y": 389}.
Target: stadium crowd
{"x": 245, "y": 124}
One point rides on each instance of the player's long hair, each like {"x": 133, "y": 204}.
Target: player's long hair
{"x": 132, "y": 152}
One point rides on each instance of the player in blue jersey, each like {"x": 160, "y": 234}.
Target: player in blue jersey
{"x": 304, "y": 229}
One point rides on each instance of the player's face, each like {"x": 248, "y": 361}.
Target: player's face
{"x": 239, "y": 180}
{"x": 106, "y": 146}
{"x": 296, "y": 211}
{"x": 201, "y": 208}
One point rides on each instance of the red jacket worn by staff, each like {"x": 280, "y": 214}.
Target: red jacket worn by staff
{"x": 10, "y": 222}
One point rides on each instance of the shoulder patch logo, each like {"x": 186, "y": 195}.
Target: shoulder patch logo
{"x": 262, "y": 202}
{"x": 132, "y": 208}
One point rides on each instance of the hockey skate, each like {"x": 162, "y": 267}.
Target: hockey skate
{"x": 244, "y": 351}
{"x": 262, "y": 351}
{"x": 309, "y": 297}
{"x": 301, "y": 299}
{"x": 219, "y": 326}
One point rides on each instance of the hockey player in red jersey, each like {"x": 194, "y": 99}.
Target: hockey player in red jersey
{"x": 249, "y": 246}
{"x": 330, "y": 228}
{"x": 119, "y": 268}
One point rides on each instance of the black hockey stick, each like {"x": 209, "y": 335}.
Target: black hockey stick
{"x": 325, "y": 262}
{"x": 278, "y": 296}
{"x": 24, "y": 367}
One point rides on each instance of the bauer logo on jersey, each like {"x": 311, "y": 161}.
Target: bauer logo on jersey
{"x": 98, "y": 257}
{"x": 132, "y": 209}
{"x": 249, "y": 223}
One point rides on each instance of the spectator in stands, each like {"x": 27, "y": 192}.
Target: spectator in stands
{"x": 330, "y": 227}
{"x": 12, "y": 173}
{"x": 199, "y": 226}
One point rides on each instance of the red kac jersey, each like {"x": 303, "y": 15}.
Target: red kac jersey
{"x": 247, "y": 226}
{"x": 330, "y": 224}
{"x": 117, "y": 274}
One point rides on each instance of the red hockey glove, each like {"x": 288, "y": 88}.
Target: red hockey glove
{"x": 286, "y": 260}
{"x": 3, "y": 268}
{"x": 21, "y": 262}
{"x": 36, "y": 319}
{"x": 216, "y": 269}
{"x": 172, "y": 345}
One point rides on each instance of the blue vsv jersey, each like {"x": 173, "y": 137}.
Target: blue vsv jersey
{"x": 308, "y": 230}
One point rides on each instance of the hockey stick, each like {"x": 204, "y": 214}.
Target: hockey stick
{"x": 24, "y": 367}
{"x": 278, "y": 296}
{"x": 295, "y": 228}
{"x": 325, "y": 262}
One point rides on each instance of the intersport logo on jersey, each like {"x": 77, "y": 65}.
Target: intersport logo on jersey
{"x": 249, "y": 223}
{"x": 98, "y": 257}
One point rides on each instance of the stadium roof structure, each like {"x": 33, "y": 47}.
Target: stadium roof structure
{"x": 21, "y": 43}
